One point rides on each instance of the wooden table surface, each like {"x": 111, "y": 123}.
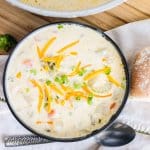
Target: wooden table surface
{"x": 19, "y": 22}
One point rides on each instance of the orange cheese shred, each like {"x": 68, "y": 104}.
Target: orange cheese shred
{"x": 94, "y": 74}
{"x": 74, "y": 53}
{"x": 66, "y": 88}
{"x": 42, "y": 52}
{"x": 50, "y": 122}
{"x": 112, "y": 80}
{"x": 76, "y": 70}
{"x": 58, "y": 62}
{"x": 88, "y": 65}
{"x": 38, "y": 122}
{"x": 19, "y": 75}
{"x": 40, "y": 99}
{"x": 88, "y": 91}
{"x": 68, "y": 46}
{"x": 75, "y": 94}
{"x": 50, "y": 59}
{"x": 56, "y": 89}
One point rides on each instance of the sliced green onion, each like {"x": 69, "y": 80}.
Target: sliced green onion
{"x": 48, "y": 82}
{"x": 60, "y": 26}
{"x": 82, "y": 72}
{"x": 78, "y": 98}
{"x": 33, "y": 71}
{"x": 77, "y": 85}
{"x": 62, "y": 79}
{"x": 107, "y": 70}
{"x": 90, "y": 98}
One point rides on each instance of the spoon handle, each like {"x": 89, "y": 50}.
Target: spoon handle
{"x": 23, "y": 140}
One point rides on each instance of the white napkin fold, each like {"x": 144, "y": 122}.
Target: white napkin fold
{"x": 130, "y": 38}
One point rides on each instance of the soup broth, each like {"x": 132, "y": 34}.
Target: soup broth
{"x": 65, "y": 5}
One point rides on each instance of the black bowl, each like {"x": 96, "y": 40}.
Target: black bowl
{"x": 113, "y": 118}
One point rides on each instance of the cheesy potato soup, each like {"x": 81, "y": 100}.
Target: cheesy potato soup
{"x": 65, "y": 5}
{"x": 65, "y": 80}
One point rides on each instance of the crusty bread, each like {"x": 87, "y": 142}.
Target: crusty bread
{"x": 140, "y": 77}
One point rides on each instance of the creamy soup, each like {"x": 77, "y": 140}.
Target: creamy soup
{"x": 65, "y": 4}
{"x": 65, "y": 80}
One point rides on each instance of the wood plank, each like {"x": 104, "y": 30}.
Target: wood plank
{"x": 128, "y": 13}
{"x": 19, "y": 22}
{"x": 141, "y": 5}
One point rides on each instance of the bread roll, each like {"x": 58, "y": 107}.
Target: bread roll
{"x": 140, "y": 77}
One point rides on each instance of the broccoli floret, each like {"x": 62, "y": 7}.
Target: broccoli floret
{"x": 7, "y": 42}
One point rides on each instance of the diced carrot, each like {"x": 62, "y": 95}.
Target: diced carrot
{"x": 28, "y": 62}
{"x": 112, "y": 105}
{"x": 52, "y": 112}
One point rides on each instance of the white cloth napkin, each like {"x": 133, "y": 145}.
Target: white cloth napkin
{"x": 130, "y": 38}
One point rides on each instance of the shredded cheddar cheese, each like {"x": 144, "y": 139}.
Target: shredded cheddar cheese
{"x": 94, "y": 73}
{"x": 38, "y": 122}
{"x": 19, "y": 75}
{"x": 46, "y": 67}
{"x": 40, "y": 101}
{"x": 56, "y": 89}
{"x": 74, "y": 53}
{"x": 112, "y": 80}
{"x": 76, "y": 70}
{"x": 62, "y": 102}
{"x": 50, "y": 122}
{"x": 59, "y": 60}
{"x": 75, "y": 94}
{"x": 89, "y": 91}
{"x": 68, "y": 46}
{"x": 42, "y": 52}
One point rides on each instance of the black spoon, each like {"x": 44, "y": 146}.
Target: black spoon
{"x": 118, "y": 134}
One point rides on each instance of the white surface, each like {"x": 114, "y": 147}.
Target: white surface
{"x": 131, "y": 38}
{"x": 66, "y": 14}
